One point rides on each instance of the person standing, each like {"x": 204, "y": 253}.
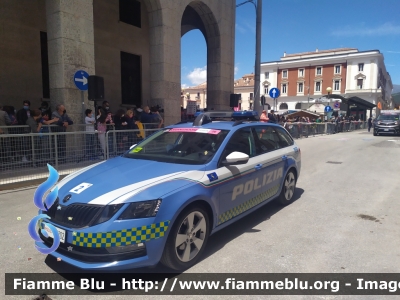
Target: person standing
{"x": 4, "y": 120}
{"x": 89, "y": 136}
{"x": 271, "y": 117}
{"x": 63, "y": 122}
{"x": 4, "y": 142}
{"x": 369, "y": 123}
{"x": 263, "y": 116}
{"x": 24, "y": 113}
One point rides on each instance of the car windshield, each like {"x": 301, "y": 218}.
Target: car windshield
{"x": 189, "y": 146}
{"x": 388, "y": 117}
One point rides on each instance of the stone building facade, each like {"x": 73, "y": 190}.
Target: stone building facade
{"x": 133, "y": 44}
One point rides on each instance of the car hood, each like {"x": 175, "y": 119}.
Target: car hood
{"x": 119, "y": 179}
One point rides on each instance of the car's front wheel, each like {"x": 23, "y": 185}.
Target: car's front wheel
{"x": 187, "y": 239}
{"x": 288, "y": 188}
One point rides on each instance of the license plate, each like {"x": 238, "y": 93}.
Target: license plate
{"x": 61, "y": 233}
{"x": 386, "y": 129}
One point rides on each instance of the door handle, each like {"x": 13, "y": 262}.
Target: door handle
{"x": 284, "y": 157}
{"x": 258, "y": 167}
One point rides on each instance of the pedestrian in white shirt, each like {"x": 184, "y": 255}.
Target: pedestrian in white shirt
{"x": 90, "y": 138}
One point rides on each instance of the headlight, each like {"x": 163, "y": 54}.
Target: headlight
{"x": 379, "y": 122}
{"x": 107, "y": 213}
{"x": 145, "y": 209}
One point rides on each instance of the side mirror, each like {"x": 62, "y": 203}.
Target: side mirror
{"x": 132, "y": 146}
{"x": 236, "y": 158}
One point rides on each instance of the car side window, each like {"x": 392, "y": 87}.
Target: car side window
{"x": 240, "y": 141}
{"x": 286, "y": 140}
{"x": 266, "y": 139}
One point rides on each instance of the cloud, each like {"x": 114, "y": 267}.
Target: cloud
{"x": 236, "y": 69}
{"x": 252, "y": 27}
{"x": 397, "y": 52}
{"x": 240, "y": 28}
{"x": 384, "y": 29}
{"x": 184, "y": 86}
{"x": 198, "y": 75}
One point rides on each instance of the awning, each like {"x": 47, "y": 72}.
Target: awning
{"x": 303, "y": 113}
{"x": 359, "y": 102}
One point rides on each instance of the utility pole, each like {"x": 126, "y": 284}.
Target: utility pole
{"x": 257, "y": 100}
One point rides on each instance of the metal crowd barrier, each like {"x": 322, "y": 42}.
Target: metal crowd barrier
{"x": 300, "y": 129}
{"x": 24, "y": 157}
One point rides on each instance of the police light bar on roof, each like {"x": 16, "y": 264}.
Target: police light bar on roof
{"x": 228, "y": 114}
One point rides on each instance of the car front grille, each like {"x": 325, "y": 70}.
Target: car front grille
{"x": 76, "y": 215}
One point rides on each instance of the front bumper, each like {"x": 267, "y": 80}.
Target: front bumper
{"x": 393, "y": 129}
{"x": 108, "y": 247}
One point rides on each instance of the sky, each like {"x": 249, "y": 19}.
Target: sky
{"x": 294, "y": 26}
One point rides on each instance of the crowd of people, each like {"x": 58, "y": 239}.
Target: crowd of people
{"x": 103, "y": 120}
{"x": 97, "y": 124}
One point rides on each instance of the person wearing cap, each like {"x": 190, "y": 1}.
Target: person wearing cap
{"x": 264, "y": 117}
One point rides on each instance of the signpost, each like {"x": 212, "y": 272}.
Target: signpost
{"x": 275, "y": 93}
{"x": 81, "y": 82}
{"x": 329, "y": 112}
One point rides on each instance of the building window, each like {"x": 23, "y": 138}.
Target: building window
{"x": 298, "y": 105}
{"x": 266, "y": 90}
{"x": 251, "y": 96}
{"x": 336, "y": 86}
{"x": 318, "y": 70}
{"x": 300, "y": 87}
{"x": 318, "y": 86}
{"x": 360, "y": 67}
{"x": 284, "y": 89}
{"x": 131, "y": 79}
{"x": 130, "y": 12}
{"x": 359, "y": 84}
{"x": 266, "y": 74}
{"x": 45, "y": 65}
{"x": 283, "y": 106}
{"x": 284, "y": 74}
{"x": 198, "y": 95}
{"x": 301, "y": 72}
{"x": 337, "y": 69}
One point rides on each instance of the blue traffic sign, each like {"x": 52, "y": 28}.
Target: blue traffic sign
{"x": 274, "y": 93}
{"x": 328, "y": 108}
{"x": 81, "y": 80}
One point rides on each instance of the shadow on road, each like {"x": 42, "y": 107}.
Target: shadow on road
{"x": 245, "y": 225}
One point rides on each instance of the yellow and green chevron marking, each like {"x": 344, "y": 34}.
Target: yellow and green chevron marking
{"x": 237, "y": 210}
{"x": 120, "y": 237}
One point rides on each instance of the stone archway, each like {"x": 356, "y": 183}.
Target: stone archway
{"x": 198, "y": 15}
{"x": 168, "y": 22}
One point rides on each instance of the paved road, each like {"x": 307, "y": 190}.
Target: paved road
{"x": 345, "y": 219}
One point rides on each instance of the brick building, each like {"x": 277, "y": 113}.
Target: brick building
{"x": 303, "y": 78}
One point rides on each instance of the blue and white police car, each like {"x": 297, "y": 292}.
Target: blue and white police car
{"x": 163, "y": 198}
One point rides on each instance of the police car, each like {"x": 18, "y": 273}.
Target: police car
{"x": 163, "y": 198}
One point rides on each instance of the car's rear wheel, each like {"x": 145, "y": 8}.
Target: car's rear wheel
{"x": 288, "y": 188}
{"x": 187, "y": 239}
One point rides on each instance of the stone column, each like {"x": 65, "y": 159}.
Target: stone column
{"x": 71, "y": 48}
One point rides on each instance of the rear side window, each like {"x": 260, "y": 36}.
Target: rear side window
{"x": 286, "y": 139}
{"x": 270, "y": 138}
